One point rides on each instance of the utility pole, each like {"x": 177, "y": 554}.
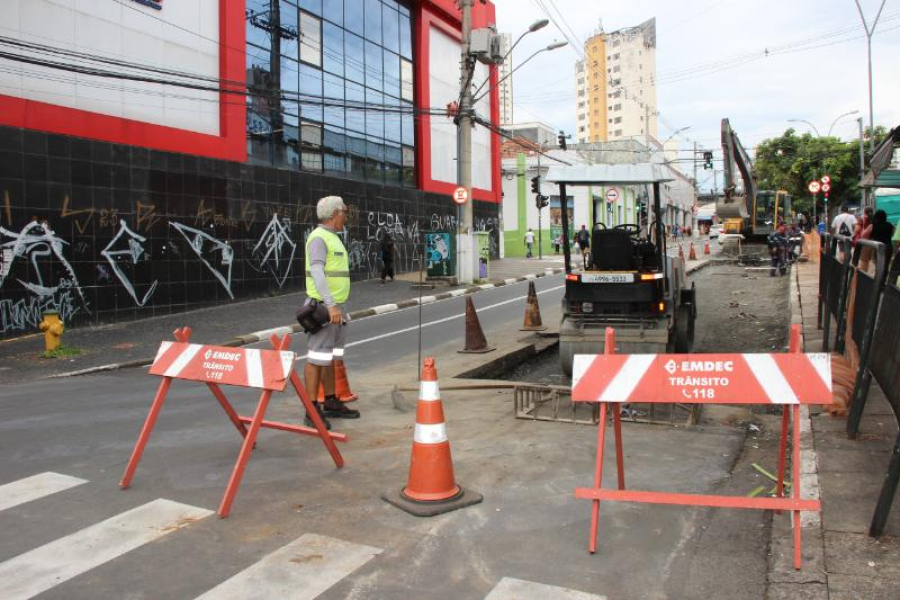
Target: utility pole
{"x": 869, "y": 33}
{"x": 538, "y": 201}
{"x": 862, "y": 160}
{"x": 696, "y": 186}
{"x": 465, "y": 226}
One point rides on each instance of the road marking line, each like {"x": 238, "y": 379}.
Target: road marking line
{"x": 43, "y": 568}
{"x": 519, "y": 589}
{"x": 34, "y": 487}
{"x": 438, "y": 322}
{"x": 300, "y": 570}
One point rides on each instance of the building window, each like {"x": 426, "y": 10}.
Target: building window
{"x": 618, "y": 120}
{"x": 616, "y": 69}
{"x": 310, "y": 39}
{"x": 618, "y": 133}
{"x": 617, "y": 107}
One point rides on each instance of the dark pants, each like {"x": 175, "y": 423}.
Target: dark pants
{"x": 778, "y": 261}
{"x": 387, "y": 269}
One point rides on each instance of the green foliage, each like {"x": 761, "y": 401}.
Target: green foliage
{"x": 61, "y": 352}
{"x": 790, "y": 162}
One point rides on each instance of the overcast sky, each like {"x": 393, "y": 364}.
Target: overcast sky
{"x": 712, "y": 63}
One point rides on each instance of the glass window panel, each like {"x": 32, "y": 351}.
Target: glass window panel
{"x": 390, "y": 28}
{"x": 333, "y": 10}
{"x": 290, "y": 39}
{"x": 406, "y": 80}
{"x": 392, "y": 164}
{"x": 311, "y": 135}
{"x": 311, "y": 161}
{"x": 310, "y": 82}
{"x": 334, "y": 140}
{"x": 333, "y": 49}
{"x": 391, "y": 74}
{"x": 403, "y": 10}
{"x": 257, "y": 18}
{"x": 334, "y": 164}
{"x": 354, "y": 49}
{"x": 353, "y": 16}
{"x": 310, "y": 39}
{"x": 408, "y": 125}
{"x": 392, "y": 120}
{"x": 409, "y": 167}
{"x": 334, "y": 100}
{"x": 313, "y": 6}
{"x": 405, "y": 36}
{"x": 374, "y": 66}
{"x": 356, "y": 116}
{"x": 290, "y": 77}
{"x": 373, "y": 20}
{"x": 374, "y": 114}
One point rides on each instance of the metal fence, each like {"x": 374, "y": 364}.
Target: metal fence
{"x": 834, "y": 268}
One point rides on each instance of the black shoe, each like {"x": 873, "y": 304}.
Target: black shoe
{"x": 335, "y": 409}
{"x": 309, "y": 422}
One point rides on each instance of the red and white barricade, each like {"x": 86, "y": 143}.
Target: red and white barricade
{"x": 266, "y": 370}
{"x": 788, "y": 379}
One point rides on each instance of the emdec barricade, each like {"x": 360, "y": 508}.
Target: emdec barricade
{"x": 789, "y": 379}
{"x": 266, "y": 370}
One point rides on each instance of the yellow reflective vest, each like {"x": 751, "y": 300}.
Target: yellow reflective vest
{"x": 337, "y": 266}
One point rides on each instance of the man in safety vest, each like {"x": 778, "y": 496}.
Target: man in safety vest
{"x": 328, "y": 282}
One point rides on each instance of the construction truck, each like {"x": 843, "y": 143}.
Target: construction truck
{"x": 628, "y": 281}
{"x": 750, "y": 212}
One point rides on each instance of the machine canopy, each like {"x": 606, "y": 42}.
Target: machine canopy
{"x": 602, "y": 174}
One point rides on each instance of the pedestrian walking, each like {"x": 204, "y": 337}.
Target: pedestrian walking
{"x": 583, "y": 239}
{"x": 778, "y": 243}
{"x": 880, "y": 230}
{"x": 387, "y": 257}
{"x": 557, "y": 243}
{"x": 529, "y": 243}
{"x": 328, "y": 283}
{"x": 844, "y": 223}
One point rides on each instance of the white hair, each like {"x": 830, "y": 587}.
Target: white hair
{"x": 328, "y": 206}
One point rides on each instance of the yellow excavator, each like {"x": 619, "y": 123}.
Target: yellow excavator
{"x": 753, "y": 213}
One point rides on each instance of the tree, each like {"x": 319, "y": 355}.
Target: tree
{"x": 790, "y": 162}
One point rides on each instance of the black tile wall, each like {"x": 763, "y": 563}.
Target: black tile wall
{"x": 107, "y": 233}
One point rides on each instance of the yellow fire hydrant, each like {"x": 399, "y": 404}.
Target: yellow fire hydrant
{"x": 53, "y": 328}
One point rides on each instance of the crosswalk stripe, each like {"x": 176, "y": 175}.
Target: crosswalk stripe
{"x": 38, "y": 570}
{"x": 300, "y": 570}
{"x": 34, "y": 487}
{"x": 519, "y": 589}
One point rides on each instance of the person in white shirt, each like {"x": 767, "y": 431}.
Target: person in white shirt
{"x": 844, "y": 223}
{"x": 529, "y": 243}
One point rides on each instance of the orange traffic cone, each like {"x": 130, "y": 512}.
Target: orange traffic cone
{"x": 532, "y": 312}
{"x": 475, "y": 340}
{"x": 341, "y": 384}
{"x": 431, "y": 488}
{"x": 692, "y": 255}
{"x": 706, "y": 247}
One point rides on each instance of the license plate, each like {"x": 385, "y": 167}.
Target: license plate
{"x": 607, "y": 277}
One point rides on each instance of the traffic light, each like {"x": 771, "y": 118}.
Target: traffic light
{"x": 541, "y": 201}
{"x": 707, "y": 160}
{"x": 561, "y": 139}
{"x": 536, "y": 184}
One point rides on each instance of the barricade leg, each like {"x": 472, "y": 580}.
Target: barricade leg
{"x": 229, "y": 410}
{"x": 782, "y": 452}
{"x": 888, "y": 490}
{"x": 620, "y": 456}
{"x": 795, "y": 478}
{"x": 146, "y": 430}
{"x": 317, "y": 420}
{"x": 598, "y": 478}
{"x": 246, "y": 448}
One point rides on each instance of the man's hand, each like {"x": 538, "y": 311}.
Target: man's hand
{"x": 334, "y": 315}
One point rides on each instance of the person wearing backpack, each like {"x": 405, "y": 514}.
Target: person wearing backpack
{"x": 844, "y": 224}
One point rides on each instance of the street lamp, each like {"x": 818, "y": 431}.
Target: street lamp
{"x": 677, "y": 131}
{"x": 552, "y": 46}
{"x": 537, "y": 25}
{"x": 869, "y": 32}
{"x": 846, "y": 114}
{"x": 808, "y": 123}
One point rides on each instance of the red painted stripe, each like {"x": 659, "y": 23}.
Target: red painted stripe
{"x": 165, "y": 361}
{"x": 271, "y": 367}
{"x": 597, "y": 376}
{"x": 803, "y": 378}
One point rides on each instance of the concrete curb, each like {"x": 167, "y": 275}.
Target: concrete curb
{"x": 263, "y": 335}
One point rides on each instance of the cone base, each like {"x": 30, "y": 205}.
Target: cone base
{"x": 481, "y": 351}
{"x": 417, "y": 508}
{"x": 533, "y": 328}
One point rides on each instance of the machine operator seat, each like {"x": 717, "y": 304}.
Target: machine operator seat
{"x": 612, "y": 250}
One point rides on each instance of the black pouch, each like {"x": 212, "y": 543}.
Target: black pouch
{"x": 312, "y": 316}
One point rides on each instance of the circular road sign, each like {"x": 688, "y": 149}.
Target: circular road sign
{"x": 826, "y": 187}
{"x": 460, "y": 195}
{"x": 826, "y": 179}
{"x": 612, "y": 195}
{"x": 814, "y": 187}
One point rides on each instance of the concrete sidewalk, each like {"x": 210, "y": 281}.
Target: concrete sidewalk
{"x": 841, "y": 561}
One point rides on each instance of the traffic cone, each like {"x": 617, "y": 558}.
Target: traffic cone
{"x": 431, "y": 488}
{"x": 532, "y": 312}
{"x": 341, "y": 384}
{"x": 706, "y": 247}
{"x": 692, "y": 255}
{"x": 475, "y": 340}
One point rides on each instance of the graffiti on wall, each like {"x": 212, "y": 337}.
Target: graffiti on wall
{"x": 211, "y": 252}
{"x": 127, "y": 247}
{"x": 275, "y": 250}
